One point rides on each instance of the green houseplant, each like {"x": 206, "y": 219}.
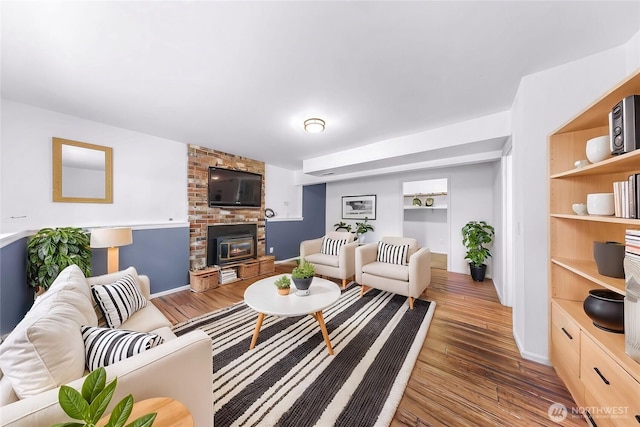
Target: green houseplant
{"x": 302, "y": 276}
{"x": 342, "y": 226}
{"x": 51, "y": 250}
{"x": 89, "y": 404}
{"x": 283, "y": 283}
{"x": 476, "y": 235}
{"x": 362, "y": 228}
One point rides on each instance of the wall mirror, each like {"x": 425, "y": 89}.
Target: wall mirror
{"x": 82, "y": 173}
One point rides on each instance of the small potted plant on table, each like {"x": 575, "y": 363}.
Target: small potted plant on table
{"x": 475, "y": 236}
{"x": 283, "y": 284}
{"x": 302, "y": 276}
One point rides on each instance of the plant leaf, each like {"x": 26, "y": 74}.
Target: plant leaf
{"x": 94, "y": 384}
{"x": 101, "y": 401}
{"x": 121, "y": 412}
{"x": 69, "y": 424}
{"x": 143, "y": 421}
{"x": 73, "y": 404}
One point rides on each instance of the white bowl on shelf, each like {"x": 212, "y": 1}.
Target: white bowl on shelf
{"x": 598, "y": 149}
{"x": 600, "y": 204}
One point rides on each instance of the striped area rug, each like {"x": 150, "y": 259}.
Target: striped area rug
{"x": 289, "y": 379}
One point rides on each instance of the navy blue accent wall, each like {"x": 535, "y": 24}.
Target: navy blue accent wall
{"x": 285, "y": 236}
{"x": 160, "y": 253}
{"x": 16, "y": 297}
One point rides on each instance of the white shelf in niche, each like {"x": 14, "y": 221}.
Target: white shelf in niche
{"x": 425, "y": 208}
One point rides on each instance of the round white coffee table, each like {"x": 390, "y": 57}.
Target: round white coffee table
{"x": 263, "y": 297}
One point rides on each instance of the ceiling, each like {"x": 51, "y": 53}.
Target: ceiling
{"x": 241, "y": 77}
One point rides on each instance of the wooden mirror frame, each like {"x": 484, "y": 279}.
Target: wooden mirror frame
{"x": 57, "y": 172}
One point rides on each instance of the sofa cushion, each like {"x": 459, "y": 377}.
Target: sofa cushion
{"x": 32, "y": 357}
{"x": 322, "y": 259}
{"x": 393, "y": 254}
{"x": 385, "y": 269}
{"x": 146, "y": 320}
{"x": 105, "y": 346}
{"x": 119, "y": 300}
{"x": 332, "y": 246}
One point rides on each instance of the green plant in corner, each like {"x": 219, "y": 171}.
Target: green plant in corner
{"x": 363, "y": 227}
{"x": 282, "y": 282}
{"x": 475, "y": 236}
{"x": 342, "y": 226}
{"x": 90, "y": 405}
{"x": 303, "y": 270}
{"x": 51, "y": 250}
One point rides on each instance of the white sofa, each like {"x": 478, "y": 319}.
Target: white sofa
{"x": 46, "y": 350}
{"x": 409, "y": 279}
{"x": 340, "y": 266}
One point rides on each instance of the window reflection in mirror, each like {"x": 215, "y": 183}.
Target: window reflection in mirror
{"x": 82, "y": 173}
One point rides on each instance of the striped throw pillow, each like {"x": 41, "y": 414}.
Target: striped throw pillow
{"x": 392, "y": 254}
{"x": 104, "y": 346}
{"x": 331, "y": 246}
{"x": 119, "y": 300}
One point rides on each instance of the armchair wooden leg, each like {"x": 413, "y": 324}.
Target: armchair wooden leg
{"x": 344, "y": 283}
{"x": 362, "y": 290}
{"x": 410, "y": 303}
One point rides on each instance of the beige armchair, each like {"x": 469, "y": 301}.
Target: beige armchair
{"x": 389, "y": 273}
{"x": 339, "y": 266}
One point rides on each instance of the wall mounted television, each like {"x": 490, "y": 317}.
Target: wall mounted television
{"x": 233, "y": 188}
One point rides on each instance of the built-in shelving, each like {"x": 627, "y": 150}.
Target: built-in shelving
{"x": 572, "y": 269}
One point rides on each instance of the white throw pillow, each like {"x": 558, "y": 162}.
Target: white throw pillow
{"x": 104, "y": 346}
{"x": 119, "y": 300}
{"x": 45, "y": 349}
{"x": 392, "y": 254}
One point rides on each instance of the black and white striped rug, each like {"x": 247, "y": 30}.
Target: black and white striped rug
{"x": 289, "y": 379}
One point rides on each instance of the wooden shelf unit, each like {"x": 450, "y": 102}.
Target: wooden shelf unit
{"x": 572, "y": 270}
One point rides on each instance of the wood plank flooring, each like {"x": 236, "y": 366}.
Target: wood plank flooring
{"x": 469, "y": 371}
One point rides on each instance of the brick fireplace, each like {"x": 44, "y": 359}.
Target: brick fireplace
{"x": 201, "y": 216}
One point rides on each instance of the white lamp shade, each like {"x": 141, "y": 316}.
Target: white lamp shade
{"x": 111, "y": 237}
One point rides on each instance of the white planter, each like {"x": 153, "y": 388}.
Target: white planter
{"x": 598, "y": 149}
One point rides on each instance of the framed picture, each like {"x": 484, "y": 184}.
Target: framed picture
{"x": 359, "y": 207}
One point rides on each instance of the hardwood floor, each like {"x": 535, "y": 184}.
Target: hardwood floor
{"x": 469, "y": 371}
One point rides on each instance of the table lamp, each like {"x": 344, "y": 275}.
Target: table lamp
{"x": 111, "y": 238}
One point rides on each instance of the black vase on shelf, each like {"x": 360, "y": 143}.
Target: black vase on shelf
{"x": 606, "y": 309}
{"x": 609, "y": 257}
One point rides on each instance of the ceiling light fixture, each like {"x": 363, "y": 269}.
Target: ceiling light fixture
{"x": 314, "y": 125}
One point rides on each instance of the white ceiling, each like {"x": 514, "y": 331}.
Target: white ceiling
{"x": 241, "y": 77}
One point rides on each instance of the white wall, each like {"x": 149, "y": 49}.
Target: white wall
{"x": 281, "y": 194}
{"x": 544, "y": 102}
{"x": 470, "y": 198}
{"x": 149, "y": 173}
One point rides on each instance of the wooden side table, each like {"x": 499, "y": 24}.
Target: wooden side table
{"x": 171, "y": 413}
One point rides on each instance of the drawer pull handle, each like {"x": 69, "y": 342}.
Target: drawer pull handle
{"x": 567, "y": 333}
{"x": 606, "y": 381}
{"x": 593, "y": 423}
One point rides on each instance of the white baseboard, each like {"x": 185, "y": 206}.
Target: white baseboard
{"x": 534, "y": 357}
{"x": 171, "y": 291}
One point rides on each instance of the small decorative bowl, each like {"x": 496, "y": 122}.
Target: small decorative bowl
{"x": 580, "y": 208}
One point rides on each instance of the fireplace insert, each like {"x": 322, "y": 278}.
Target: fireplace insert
{"x": 236, "y": 248}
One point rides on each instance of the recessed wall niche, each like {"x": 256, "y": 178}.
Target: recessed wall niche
{"x": 201, "y": 216}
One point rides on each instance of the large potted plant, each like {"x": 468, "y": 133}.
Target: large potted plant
{"x": 302, "y": 275}
{"x": 476, "y": 235}
{"x": 362, "y": 228}
{"x": 51, "y": 250}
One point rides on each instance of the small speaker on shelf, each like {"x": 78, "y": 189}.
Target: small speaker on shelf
{"x": 624, "y": 125}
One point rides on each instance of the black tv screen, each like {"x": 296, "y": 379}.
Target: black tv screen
{"x": 234, "y": 188}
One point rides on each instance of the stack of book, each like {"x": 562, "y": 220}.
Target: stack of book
{"x": 626, "y": 197}
{"x": 228, "y": 275}
{"x": 632, "y": 244}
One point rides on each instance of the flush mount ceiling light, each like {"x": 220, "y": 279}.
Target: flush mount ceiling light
{"x": 314, "y": 125}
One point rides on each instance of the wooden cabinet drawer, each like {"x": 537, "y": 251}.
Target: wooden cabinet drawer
{"x": 616, "y": 392}
{"x": 567, "y": 326}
